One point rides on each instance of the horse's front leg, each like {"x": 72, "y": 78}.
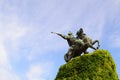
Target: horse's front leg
{"x": 68, "y": 55}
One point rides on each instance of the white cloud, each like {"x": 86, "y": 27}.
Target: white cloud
{"x": 6, "y": 74}
{"x": 1, "y": 2}
{"x": 116, "y": 2}
{"x": 10, "y": 31}
{"x": 3, "y": 56}
{"x": 5, "y": 66}
{"x": 39, "y": 71}
{"x": 12, "y": 28}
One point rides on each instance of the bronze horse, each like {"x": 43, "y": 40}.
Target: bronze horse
{"x": 88, "y": 43}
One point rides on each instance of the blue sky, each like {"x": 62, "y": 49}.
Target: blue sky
{"x": 28, "y": 51}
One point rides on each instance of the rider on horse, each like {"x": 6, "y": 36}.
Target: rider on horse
{"x": 78, "y": 44}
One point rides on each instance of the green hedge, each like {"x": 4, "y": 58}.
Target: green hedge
{"x": 98, "y": 65}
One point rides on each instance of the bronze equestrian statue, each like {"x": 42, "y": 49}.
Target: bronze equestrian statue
{"x": 77, "y": 45}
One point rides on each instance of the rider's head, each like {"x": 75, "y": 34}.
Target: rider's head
{"x": 69, "y": 33}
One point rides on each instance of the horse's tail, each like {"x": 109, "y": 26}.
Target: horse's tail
{"x": 97, "y": 42}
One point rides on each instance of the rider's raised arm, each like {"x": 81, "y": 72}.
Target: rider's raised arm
{"x": 61, "y": 35}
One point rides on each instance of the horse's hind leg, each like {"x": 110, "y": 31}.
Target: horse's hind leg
{"x": 96, "y": 41}
{"x": 89, "y": 45}
{"x": 92, "y": 47}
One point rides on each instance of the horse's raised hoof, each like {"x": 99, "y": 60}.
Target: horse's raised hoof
{"x": 66, "y": 57}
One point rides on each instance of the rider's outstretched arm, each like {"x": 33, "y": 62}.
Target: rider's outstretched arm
{"x": 61, "y": 35}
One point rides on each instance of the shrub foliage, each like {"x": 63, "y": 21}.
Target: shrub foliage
{"x": 98, "y": 65}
